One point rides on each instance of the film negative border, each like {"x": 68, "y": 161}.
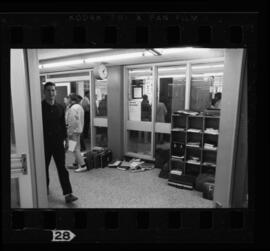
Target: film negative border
{"x": 100, "y": 30}
{"x": 134, "y": 30}
{"x": 235, "y": 226}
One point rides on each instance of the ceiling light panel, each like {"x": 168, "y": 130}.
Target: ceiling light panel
{"x": 64, "y": 63}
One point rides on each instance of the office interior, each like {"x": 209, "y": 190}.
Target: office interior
{"x": 174, "y": 79}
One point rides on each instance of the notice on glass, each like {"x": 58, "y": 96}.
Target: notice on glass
{"x": 71, "y": 145}
{"x": 135, "y": 110}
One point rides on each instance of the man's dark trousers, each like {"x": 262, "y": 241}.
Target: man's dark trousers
{"x": 55, "y": 147}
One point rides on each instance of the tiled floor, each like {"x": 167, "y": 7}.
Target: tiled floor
{"x": 113, "y": 188}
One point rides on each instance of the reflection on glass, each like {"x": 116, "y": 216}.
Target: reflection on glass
{"x": 140, "y": 94}
{"x": 206, "y": 86}
{"x": 162, "y": 140}
{"x": 100, "y": 98}
{"x": 139, "y": 142}
{"x": 171, "y": 92}
{"x": 101, "y": 137}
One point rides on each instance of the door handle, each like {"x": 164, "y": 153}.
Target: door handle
{"x": 18, "y": 163}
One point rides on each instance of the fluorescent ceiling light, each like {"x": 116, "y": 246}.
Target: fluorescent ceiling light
{"x": 171, "y": 69}
{"x": 64, "y": 63}
{"x": 207, "y": 66}
{"x": 140, "y": 77}
{"x": 173, "y": 76}
{"x": 140, "y": 71}
{"x": 114, "y": 57}
{"x": 215, "y": 74}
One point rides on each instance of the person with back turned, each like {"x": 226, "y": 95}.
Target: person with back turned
{"x": 55, "y": 134}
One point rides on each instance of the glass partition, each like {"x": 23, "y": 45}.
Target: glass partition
{"x": 170, "y": 91}
{"x": 139, "y": 142}
{"x": 100, "y": 98}
{"x": 140, "y": 93}
{"x": 206, "y": 86}
{"x": 101, "y": 136}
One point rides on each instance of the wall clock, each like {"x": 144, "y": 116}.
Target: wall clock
{"x": 100, "y": 71}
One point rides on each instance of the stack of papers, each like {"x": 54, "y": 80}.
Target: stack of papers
{"x": 209, "y": 164}
{"x": 115, "y": 163}
{"x": 178, "y": 129}
{"x": 210, "y": 146}
{"x": 148, "y": 166}
{"x": 211, "y": 131}
{"x": 191, "y": 161}
{"x": 138, "y": 169}
{"x": 176, "y": 172}
{"x": 186, "y": 112}
{"x": 193, "y": 144}
{"x": 178, "y": 157}
{"x": 134, "y": 164}
{"x": 194, "y": 130}
{"x": 125, "y": 165}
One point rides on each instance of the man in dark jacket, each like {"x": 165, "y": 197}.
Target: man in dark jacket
{"x": 55, "y": 133}
{"x": 145, "y": 109}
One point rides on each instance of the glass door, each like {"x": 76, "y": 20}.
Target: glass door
{"x": 139, "y": 112}
{"x": 99, "y": 112}
{"x": 23, "y": 192}
{"x": 170, "y": 97}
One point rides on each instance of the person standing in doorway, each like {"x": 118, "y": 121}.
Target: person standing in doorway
{"x": 85, "y": 102}
{"x": 145, "y": 109}
{"x": 55, "y": 134}
{"x": 75, "y": 123}
{"x": 145, "y": 115}
{"x": 102, "y": 108}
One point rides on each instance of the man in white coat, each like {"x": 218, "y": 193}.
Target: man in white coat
{"x": 75, "y": 123}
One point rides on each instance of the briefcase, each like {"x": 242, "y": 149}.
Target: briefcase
{"x": 98, "y": 158}
{"x": 208, "y": 190}
{"x": 89, "y": 161}
{"x": 106, "y": 158}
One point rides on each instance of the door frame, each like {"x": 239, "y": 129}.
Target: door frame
{"x": 26, "y": 99}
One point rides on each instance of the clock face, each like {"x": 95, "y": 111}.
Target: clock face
{"x": 101, "y": 71}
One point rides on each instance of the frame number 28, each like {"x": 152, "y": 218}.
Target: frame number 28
{"x": 62, "y": 235}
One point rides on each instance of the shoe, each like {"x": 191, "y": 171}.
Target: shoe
{"x": 70, "y": 198}
{"x": 80, "y": 169}
{"x": 74, "y": 166}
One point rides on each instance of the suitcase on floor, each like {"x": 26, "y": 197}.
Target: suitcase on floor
{"x": 208, "y": 190}
{"x": 98, "y": 158}
{"x": 106, "y": 158}
{"x": 89, "y": 160}
{"x": 201, "y": 179}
